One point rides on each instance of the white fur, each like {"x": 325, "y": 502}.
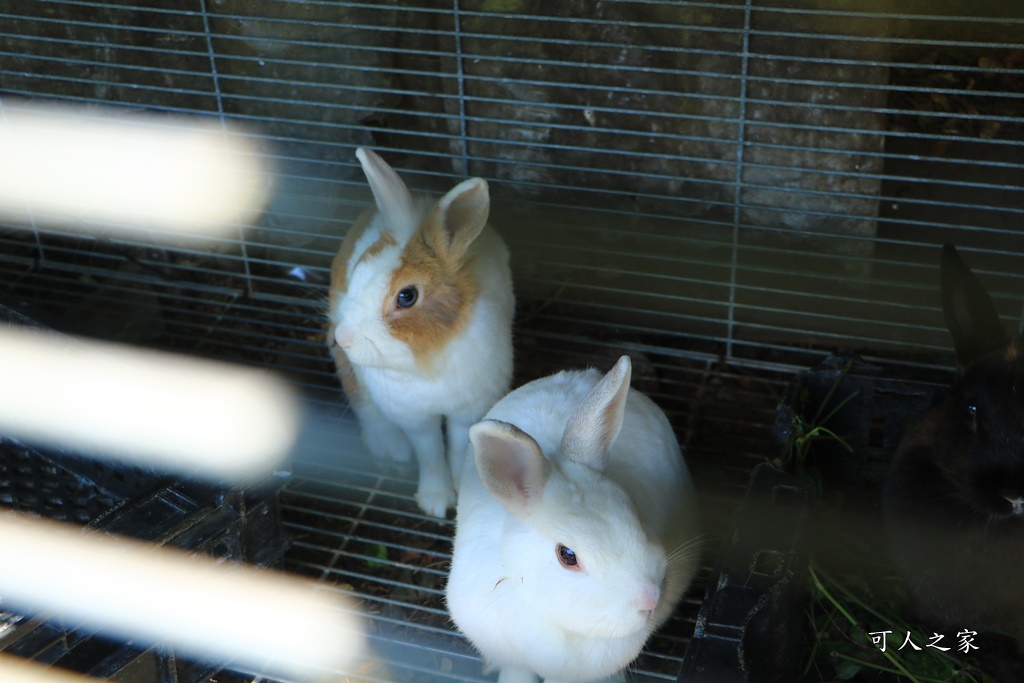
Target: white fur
{"x": 507, "y": 591}
{"x": 403, "y": 403}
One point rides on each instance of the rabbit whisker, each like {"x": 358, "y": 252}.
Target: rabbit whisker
{"x": 688, "y": 550}
{"x": 966, "y": 519}
{"x": 973, "y": 515}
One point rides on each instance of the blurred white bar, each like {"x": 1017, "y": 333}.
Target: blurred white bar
{"x": 260, "y": 621}
{"x": 179, "y": 414}
{"x": 75, "y": 167}
{"x": 18, "y": 670}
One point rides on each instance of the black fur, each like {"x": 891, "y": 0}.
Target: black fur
{"x": 953, "y": 527}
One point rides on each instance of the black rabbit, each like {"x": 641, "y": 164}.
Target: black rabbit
{"x": 954, "y": 498}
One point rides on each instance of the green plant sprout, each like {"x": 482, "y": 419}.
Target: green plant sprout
{"x": 376, "y": 555}
{"x": 806, "y": 432}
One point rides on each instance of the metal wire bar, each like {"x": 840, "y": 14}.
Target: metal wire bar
{"x": 522, "y": 60}
{"x": 952, "y": 68}
{"x": 671, "y": 3}
{"x": 738, "y": 182}
{"x": 717, "y": 161}
{"x": 632, "y": 24}
{"x": 935, "y": 137}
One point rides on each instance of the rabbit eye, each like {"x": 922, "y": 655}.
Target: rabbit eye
{"x": 971, "y": 411}
{"x": 407, "y": 297}
{"x": 567, "y": 557}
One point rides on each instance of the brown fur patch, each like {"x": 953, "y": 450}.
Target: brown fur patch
{"x": 447, "y": 292}
{"x": 386, "y": 240}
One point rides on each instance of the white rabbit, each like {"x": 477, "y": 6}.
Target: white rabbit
{"x": 420, "y": 326}
{"x": 575, "y": 529}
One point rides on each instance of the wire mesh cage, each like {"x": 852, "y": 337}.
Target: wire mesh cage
{"x": 727, "y": 191}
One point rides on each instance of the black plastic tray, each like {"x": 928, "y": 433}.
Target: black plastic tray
{"x": 750, "y": 625}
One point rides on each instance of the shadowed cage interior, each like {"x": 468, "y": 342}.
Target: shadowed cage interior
{"x": 725, "y": 190}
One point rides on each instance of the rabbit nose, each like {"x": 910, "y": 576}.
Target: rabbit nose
{"x": 1017, "y": 503}
{"x": 649, "y": 597}
{"x": 343, "y": 336}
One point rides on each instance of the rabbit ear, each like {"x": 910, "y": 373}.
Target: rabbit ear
{"x": 970, "y": 314}
{"x": 595, "y": 424}
{"x": 390, "y": 193}
{"x": 511, "y": 464}
{"x": 458, "y": 218}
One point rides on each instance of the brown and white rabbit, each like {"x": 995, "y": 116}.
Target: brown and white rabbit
{"x": 954, "y": 496}
{"x": 575, "y": 529}
{"x": 420, "y": 326}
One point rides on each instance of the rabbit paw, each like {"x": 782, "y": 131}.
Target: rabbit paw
{"x": 435, "y": 501}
